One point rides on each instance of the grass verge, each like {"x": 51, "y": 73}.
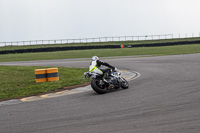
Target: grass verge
{"x": 19, "y": 81}
{"x": 165, "y": 50}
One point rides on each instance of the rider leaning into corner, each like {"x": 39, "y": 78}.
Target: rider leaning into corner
{"x": 95, "y": 67}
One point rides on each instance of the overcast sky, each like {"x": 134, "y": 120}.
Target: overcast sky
{"x": 69, "y": 19}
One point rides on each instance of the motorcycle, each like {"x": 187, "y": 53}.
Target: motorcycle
{"x": 100, "y": 86}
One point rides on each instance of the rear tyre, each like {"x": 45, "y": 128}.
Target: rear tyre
{"x": 124, "y": 83}
{"x": 100, "y": 89}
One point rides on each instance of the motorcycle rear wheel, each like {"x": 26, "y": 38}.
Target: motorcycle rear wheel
{"x": 97, "y": 87}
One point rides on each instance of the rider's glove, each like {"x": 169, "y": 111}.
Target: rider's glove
{"x": 115, "y": 69}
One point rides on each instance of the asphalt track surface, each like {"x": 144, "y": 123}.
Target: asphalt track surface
{"x": 165, "y": 98}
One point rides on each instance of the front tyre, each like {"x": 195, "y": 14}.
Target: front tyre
{"x": 100, "y": 89}
{"x": 124, "y": 83}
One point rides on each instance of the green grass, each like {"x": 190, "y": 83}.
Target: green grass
{"x": 19, "y": 81}
{"x": 9, "y": 47}
{"x": 165, "y": 50}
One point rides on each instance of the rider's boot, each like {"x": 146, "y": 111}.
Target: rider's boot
{"x": 106, "y": 77}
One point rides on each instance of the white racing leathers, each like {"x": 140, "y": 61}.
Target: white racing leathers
{"x": 93, "y": 68}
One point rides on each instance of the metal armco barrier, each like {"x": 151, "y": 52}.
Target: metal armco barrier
{"x": 52, "y": 74}
{"x": 44, "y": 75}
{"x": 40, "y": 75}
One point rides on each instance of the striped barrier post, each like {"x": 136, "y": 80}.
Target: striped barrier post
{"x": 44, "y": 75}
{"x": 52, "y": 74}
{"x": 40, "y": 75}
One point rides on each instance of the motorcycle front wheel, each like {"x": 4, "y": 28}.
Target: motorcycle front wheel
{"x": 100, "y": 89}
{"x": 124, "y": 83}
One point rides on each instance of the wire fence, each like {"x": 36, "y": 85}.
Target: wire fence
{"x": 88, "y": 40}
{"x": 97, "y": 39}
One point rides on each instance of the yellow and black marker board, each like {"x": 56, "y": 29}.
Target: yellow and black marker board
{"x": 52, "y": 74}
{"x": 40, "y": 75}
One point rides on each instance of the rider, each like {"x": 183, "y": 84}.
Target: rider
{"x": 95, "y": 67}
